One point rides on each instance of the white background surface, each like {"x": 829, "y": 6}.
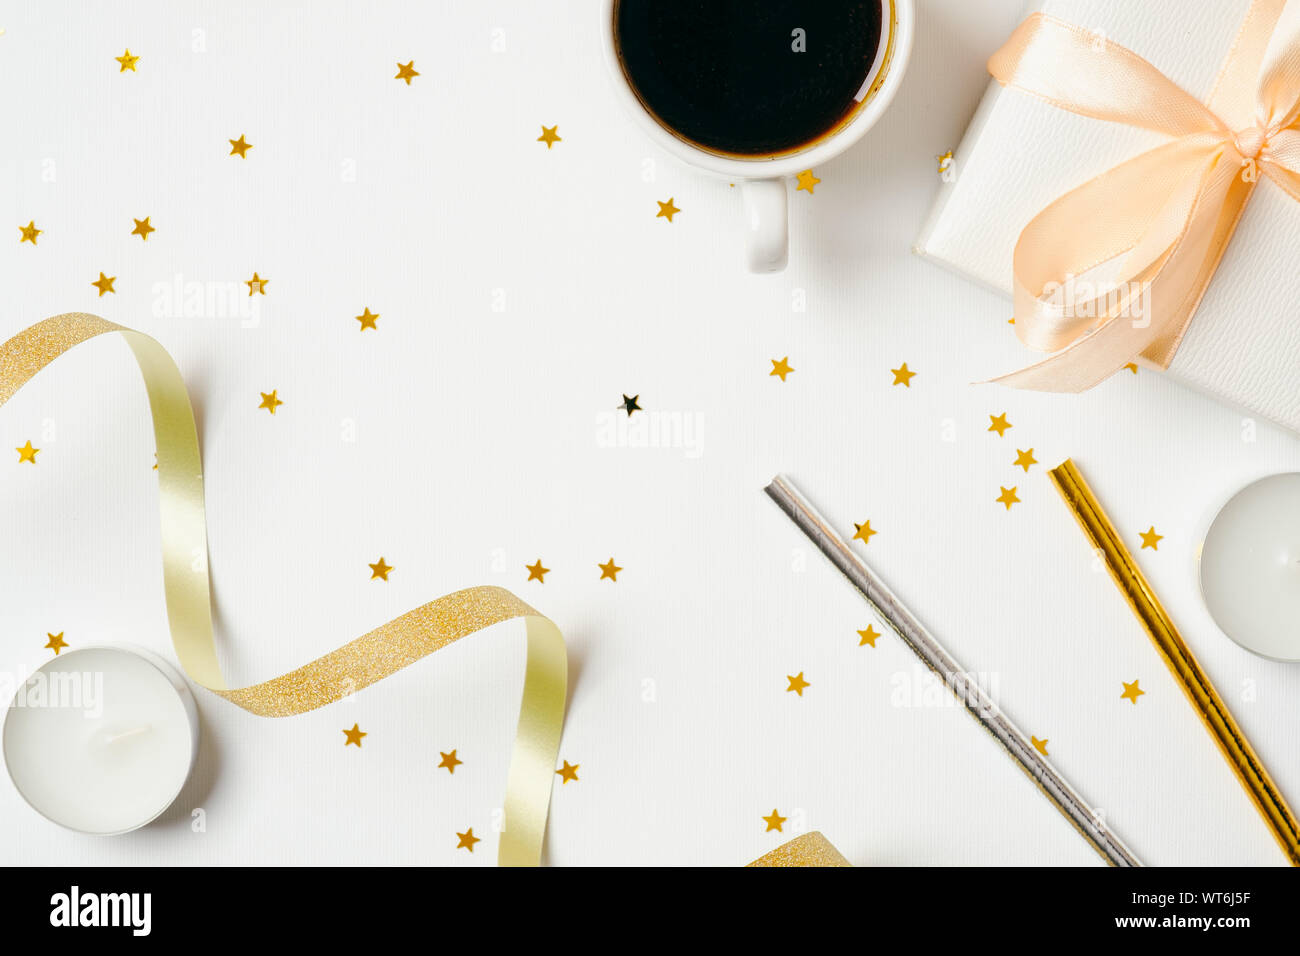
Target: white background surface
{"x": 478, "y": 449}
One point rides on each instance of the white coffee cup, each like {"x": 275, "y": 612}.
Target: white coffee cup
{"x": 763, "y": 178}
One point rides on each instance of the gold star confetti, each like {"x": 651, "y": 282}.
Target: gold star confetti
{"x": 550, "y": 136}
{"x": 630, "y": 405}
{"x": 126, "y": 62}
{"x": 256, "y": 285}
{"x": 667, "y": 209}
{"x": 467, "y": 840}
{"x": 30, "y": 232}
{"x": 780, "y": 368}
{"x": 1008, "y": 497}
{"x": 863, "y": 532}
{"x": 27, "y": 453}
{"x": 797, "y": 683}
{"x": 945, "y": 160}
{"x": 1131, "y": 691}
{"x": 536, "y": 572}
{"x": 868, "y": 636}
{"x": 368, "y": 319}
{"x": 354, "y": 735}
{"x": 269, "y": 401}
{"x": 1025, "y": 458}
{"x": 807, "y": 181}
{"x": 999, "y": 424}
{"x": 1150, "y": 539}
{"x": 105, "y": 284}
{"x": 903, "y": 375}
{"x": 569, "y": 771}
{"x": 56, "y": 642}
{"x": 774, "y": 821}
{"x": 1039, "y": 745}
{"x": 380, "y": 570}
{"x": 142, "y": 228}
{"x": 240, "y": 148}
{"x": 406, "y": 71}
{"x": 1132, "y": 367}
{"x": 609, "y": 570}
{"x": 449, "y": 761}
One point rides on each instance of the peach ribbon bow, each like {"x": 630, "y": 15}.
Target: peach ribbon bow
{"x": 1157, "y": 225}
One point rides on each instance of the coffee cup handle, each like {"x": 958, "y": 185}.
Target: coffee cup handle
{"x": 767, "y": 236}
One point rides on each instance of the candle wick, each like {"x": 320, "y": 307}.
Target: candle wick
{"x": 129, "y": 733}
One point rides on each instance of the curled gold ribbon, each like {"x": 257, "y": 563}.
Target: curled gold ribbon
{"x": 1160, "y": 221}
{"x": 355, "y": 665}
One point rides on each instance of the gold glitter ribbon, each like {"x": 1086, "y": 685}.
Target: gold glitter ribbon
{"x": 1234, "y": 746}
{"x": 355, "y": 665}
{"x": 811, "y": 849}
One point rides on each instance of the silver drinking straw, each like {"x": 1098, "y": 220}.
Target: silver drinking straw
{"x": 981, "y": 707}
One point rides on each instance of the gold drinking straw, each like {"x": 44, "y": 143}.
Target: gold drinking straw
{"x": 1232, "y": 742}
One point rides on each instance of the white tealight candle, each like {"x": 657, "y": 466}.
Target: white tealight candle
{"x": 101, "y": 739}
{"x": 1250, "y": 567}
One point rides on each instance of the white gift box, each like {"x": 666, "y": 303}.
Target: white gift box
{"x": 1019, "y": 154}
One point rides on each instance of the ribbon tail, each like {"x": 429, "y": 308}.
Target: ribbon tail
{"x": 1078, "y": 367}
{"x": 1187, "y": 276}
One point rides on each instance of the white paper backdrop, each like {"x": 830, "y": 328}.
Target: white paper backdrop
{"x": 522, "y": 291}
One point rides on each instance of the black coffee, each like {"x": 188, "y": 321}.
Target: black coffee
{"x": 753, "y": 77}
